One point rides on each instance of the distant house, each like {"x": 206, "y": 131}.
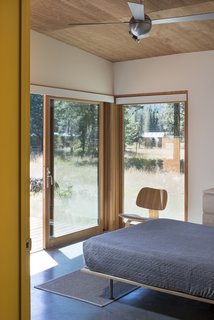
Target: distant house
{"x": 153, "y": 138}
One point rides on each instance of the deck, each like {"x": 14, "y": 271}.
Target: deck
{"x": 36, "y": 231}
{"x": 36, "y": 234}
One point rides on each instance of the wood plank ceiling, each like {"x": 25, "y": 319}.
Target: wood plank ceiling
{"x": 112, "y": 41}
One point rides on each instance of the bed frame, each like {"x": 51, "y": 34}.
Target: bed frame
{"x": 113, "y": 278}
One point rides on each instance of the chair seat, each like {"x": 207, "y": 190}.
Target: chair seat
{"x": 133, "y": 216}
{"x": 129, "y": 218}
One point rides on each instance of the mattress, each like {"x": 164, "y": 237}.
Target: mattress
{"x": 163, "y": 253}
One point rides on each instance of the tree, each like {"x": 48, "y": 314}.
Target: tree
{"x": 36, "y": 121}
{"x": 87, "y": 131}
{"x": 79, "y": 123}
{"x": 130, "y": 125}
{"x": 177, "y": 120}
{"x": 173, "y": 119}
{"x": 153, "y": 120}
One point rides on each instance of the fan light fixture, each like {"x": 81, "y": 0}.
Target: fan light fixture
{"x": 140, "y": 24}
{"x": 139, "y": 29}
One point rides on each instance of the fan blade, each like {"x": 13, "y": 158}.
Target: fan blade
{"x": 137, "y": 10}
{"x": 196, "y": 17}
{"x": 96, "y": 23}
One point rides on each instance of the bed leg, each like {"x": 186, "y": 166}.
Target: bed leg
{"x": 111, "y": 289}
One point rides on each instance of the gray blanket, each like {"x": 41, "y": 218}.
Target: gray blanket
{"x": 164, "y": 253}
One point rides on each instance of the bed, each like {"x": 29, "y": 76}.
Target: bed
{"x": 165, "y": 255}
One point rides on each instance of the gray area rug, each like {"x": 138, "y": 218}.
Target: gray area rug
{"x": 86, "y": 287}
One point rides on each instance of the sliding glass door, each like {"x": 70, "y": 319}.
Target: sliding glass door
{"x": 36, "y": 171}
{"x": 73, "y": 158}
{"x": 155, "y": 154}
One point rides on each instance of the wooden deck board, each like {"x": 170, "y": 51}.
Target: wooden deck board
{"x": 60, "y": 228}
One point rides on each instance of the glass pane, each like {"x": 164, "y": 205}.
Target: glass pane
{"x": 75, "y": 156}
{"x": 154, "y": 155}
{"x": 36, "y": 168}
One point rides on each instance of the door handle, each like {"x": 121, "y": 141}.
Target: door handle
{"x": 49, "y": 178}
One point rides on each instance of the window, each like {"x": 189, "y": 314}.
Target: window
{"x": 155, "y": 154}
{"x": 72, "y": 162}
{"x": 66, "y": 167}
{"x": 36, "y": 171}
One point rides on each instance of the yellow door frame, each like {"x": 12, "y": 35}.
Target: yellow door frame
{"x": 14, "y": 160}
{"x": 25, "y": 244}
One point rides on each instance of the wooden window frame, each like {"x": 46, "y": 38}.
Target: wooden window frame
{"x": 117, "y": 165}
{"x": 49, "y": 242}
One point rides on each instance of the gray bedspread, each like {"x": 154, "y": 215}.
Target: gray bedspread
{"x": 164, "y": 253}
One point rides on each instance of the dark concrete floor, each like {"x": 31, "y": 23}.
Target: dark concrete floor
{"x": 139, "y": 305}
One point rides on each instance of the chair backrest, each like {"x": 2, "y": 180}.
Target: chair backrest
{"x": 153, "y": 199}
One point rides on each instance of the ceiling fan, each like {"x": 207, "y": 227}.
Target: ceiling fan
{"x": 140, "y": 23}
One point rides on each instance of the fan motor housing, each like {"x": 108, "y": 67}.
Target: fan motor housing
{"x": 138, "y": 28}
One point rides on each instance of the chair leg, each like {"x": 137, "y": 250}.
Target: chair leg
{"x": 128, "y": 223}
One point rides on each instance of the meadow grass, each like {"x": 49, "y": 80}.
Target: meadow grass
{"x": 76, "y": 198}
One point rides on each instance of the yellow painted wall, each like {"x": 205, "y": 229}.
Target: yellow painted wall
{"x": 10, "y": 152}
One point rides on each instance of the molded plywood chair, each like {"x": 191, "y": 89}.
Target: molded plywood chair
{"x": 149, "y": 198}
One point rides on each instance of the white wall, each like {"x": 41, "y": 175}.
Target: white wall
{"x": 54, "y": 63}
{"x": 193, "y": 72}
